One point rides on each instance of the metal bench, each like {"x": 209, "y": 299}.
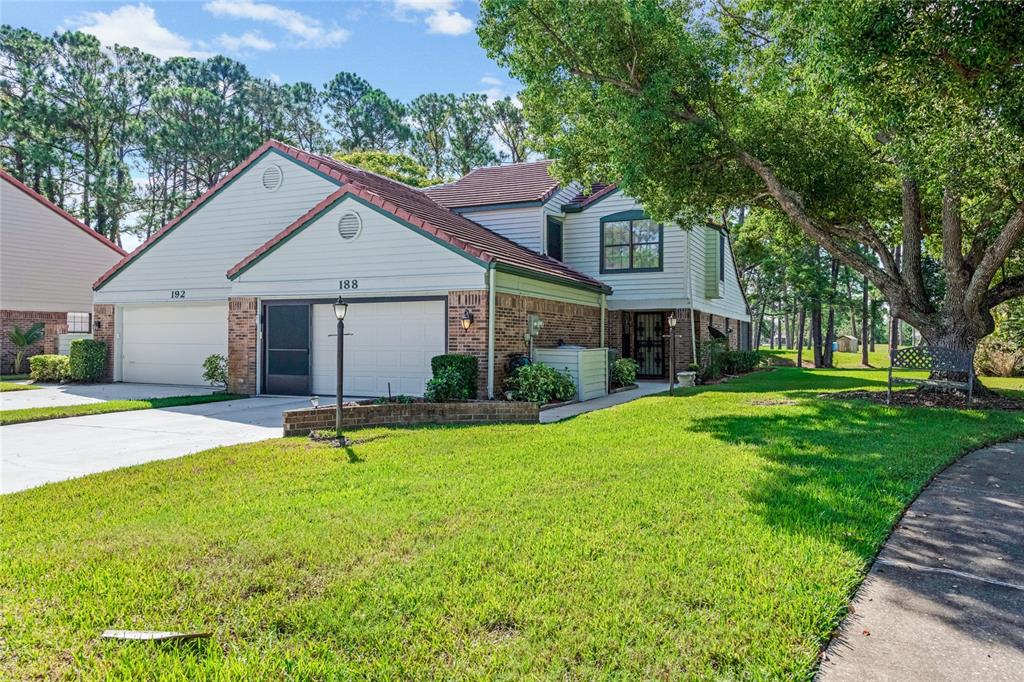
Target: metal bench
{"x": 943, "y": 361}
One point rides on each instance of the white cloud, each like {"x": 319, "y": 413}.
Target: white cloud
{"x": 250, "y": 40}
{"x": 491, "y": 80}
{"x": 310, "y": 30}
{"x": 275, "y": 79}
{"x": 442, "y": 18}
{"x": 136, "y": 26}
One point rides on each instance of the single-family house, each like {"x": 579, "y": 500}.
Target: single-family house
{"x": 250, "y": 270}
{"x": 48, "y": 262}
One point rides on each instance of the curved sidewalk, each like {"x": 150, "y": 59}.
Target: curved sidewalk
{"x": 944, "y": 600}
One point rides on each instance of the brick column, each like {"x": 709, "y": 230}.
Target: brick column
{"x": 103, "y": 330}
{"x": 472, "y": 341}
{"x": 243, "y": 331}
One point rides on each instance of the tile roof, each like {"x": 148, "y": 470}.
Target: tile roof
{"x": 18, "y": 184}
{"x": 509, "y": 184}
{"x": 406, "y": 203}
{"x": 597, "y": 191}
{"x": 414, "y": 206}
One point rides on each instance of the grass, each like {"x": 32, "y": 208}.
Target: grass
{"x": 14, "y": 377}
{"x": 35, "y": 414}
{"x": 716, "y": 534}
{"x": 6, "y": 386}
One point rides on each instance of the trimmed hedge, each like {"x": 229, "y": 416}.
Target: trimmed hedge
{"x": 465, "y": 369}
{"x": 541, "y": 384}
{"x": 623, "y": 372}
{"x": 49, "y": 368}
{"x": 87, "y": 360}
{"x": 740, "y": 361}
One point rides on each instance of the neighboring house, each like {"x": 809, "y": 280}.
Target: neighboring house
{"x": 251, "y": 268}
{"x": 48, "y": 262}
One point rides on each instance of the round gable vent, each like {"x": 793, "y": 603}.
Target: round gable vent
{"x": 272, "y": 178}
{"x": 349, "y": 226}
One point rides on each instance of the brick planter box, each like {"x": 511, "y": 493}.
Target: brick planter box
{"x": 301, "y": 422}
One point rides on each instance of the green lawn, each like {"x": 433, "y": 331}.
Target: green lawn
{"x": 6, "y": 386}
{"x": 35, "y": 414}
{"x": 13, "y": 377}
{"x": 717, "y": 534}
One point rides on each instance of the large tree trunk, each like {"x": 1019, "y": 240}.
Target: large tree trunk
{"x": 800, "y": 341}
{"x": 864, "y": 325}
{"x": 830, "y": 334}
{"x": 816, "y": 333}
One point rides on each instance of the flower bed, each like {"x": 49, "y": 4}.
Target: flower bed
{"x": 301, "y": 422}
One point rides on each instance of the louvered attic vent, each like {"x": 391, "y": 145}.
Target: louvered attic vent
{"x": 272, "y": 178}
{"x": 349, "y": 226}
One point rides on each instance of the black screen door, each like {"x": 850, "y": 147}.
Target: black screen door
{"x": 287, "y": 349}
{"x": 555, "y": 238}
{"x": 649, "y": 351}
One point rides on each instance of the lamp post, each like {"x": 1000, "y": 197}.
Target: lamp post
{"x": 340, "y": 308}
{"x": 671, "y": 351}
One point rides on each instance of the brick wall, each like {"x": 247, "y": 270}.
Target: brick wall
{"x": 569, "y": 322}
{"x": 301, "y": 422}
{"x": 243, "y": 316}
{"x": 54, "y": 324}
{"x": 472, "y": 341}
{"x": 103, "y": 330}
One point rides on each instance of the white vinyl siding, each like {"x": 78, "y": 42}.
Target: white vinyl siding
{"x": 166, "y": 344}
{"x": 47, "y": 264}
{"x": 522, "y": 225}
{"x": 195, "y": 256}
{"x": 581, "y": 234}
{"x": 730, "y": 302}
{"x": 386, "y": 258}
{"x": 712, "y": 264}
{"x": 390, "y": 343}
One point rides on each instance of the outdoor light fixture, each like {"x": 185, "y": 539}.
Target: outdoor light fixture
{"x": 467, "y": 319}
{"x": 672, "y": 320}
{"x": 315, "y": 401}
{"x": 340, "y": 308}
{"x": 671, "y": 350}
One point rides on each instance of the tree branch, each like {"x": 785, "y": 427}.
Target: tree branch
{"x": 1010, "y": 237}
{"x": 912, "y": 236}
{"x": 1011, "y": 287}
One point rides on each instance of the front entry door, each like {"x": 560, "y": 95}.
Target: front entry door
{"x": 649, "y": 345}
{"x": 287, "y": 349}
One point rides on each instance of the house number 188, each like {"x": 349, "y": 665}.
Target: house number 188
{"x": 348, "y": 284}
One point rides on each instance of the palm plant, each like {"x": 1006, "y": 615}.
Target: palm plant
{"x": 23, "y": 339}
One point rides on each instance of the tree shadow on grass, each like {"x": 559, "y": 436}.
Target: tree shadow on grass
{"x": 844, "y": 471}
{"x": 794, "y": 382}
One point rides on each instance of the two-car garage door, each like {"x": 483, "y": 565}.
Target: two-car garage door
{"x": 166, "y": 344}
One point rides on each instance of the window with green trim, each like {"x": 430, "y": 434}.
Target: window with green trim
{"x": 630, "y": 242}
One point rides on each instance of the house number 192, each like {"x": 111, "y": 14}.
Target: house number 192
{"x": 178, "y": 293}
{"x": 348, "y": 284}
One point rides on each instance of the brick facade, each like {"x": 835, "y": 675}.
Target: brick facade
{"x": 103, "y": 330}
{"x": 54, "y": 324}
{"x": 301, "y": 422}
{"x": 243, "y": 336}
{"x": 472, "y": 341}
{"x": 621, "y": 329}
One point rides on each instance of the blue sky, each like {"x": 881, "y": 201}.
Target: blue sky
{"x": 404, "y": 47}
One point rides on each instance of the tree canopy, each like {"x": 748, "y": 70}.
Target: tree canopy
{"x": 875, "y": 127}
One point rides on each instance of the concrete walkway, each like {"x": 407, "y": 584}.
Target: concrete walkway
{"x": 644, "y": 388}
{"x": 56, "y": 395}
{"x": 58, "y": 449}
{"x": 944, "y": 600}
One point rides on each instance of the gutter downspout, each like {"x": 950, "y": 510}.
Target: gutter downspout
{"x": 604, "y": 307}
{"x": 491, "y": 272}
{"x": 689, "y": 295}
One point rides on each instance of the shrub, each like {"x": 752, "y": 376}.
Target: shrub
{"x": 87, "y": 360}
{"x": 712, "y": 359}
{"x": 999, "y": 358}
{"x": 465, "y": 365}
{"x": 541, "y": 384}
{"x": 215, "y": 370}
{"x": 740, "y": 361}
{"x": 22, "y": 339}
{"x": 447, "y": 384}
{"x": 49, "y": 367}
{"x": 623, "y": 372}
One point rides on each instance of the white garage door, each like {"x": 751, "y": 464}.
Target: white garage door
{"x": 166, "y": 344}
{"x": 389, "y": 342}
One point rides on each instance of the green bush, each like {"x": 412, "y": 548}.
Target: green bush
{"x": 447, "y": 384}
{"x": 87, "y": 360}
{"x": 467, "y": 367}
{"x": 215, "y": 370}
{"x": 49, "y": 368}
{"x": 712, "y": 359}
{"x": 541, "y": 384}
{"x": 740, "y": 361}
{"x": 623, "y": 372}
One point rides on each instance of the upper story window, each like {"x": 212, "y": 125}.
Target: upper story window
{"x": 631, "y": 242}
{"x": 721, "y": 257}
{"x": 554, "y": 238}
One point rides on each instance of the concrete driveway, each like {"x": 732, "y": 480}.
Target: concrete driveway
{"x": 55, "y": 395}
{"x": 58, "y": 449}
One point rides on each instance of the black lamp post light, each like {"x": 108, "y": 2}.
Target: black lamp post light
{"x": 672, "y": 321}
{"x": 340, "y": 308}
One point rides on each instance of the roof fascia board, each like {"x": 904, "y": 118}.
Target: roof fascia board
{"x": 494, "y": 207}
{"x": 554, "y": 279}
{"x": 578, "y": 208}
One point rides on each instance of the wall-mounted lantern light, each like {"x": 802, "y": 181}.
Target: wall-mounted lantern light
{"x": 467, "y": 319}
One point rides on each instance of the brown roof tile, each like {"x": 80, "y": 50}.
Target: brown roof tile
{"x": 510, "y": 184}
